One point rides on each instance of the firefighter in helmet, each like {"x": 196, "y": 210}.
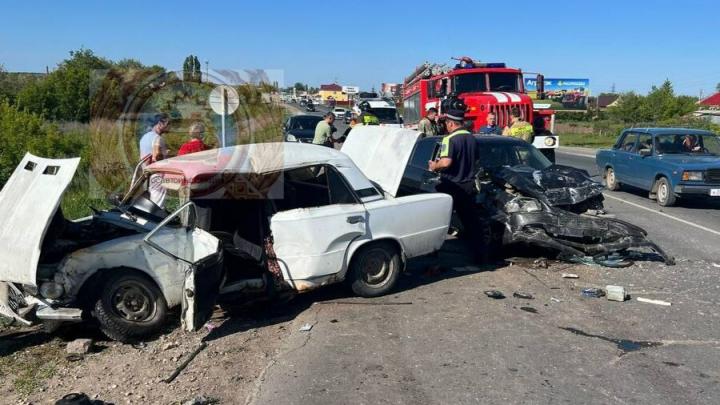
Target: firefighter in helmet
{"x": 367, "y": 117}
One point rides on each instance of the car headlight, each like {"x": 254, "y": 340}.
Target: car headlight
{"x": 52, "y": 290}
{"x": 549, "y": 141}
{"x": 692, "y": 175}
{"x": 290, "y": 138}
{"x": 522, "y": 204}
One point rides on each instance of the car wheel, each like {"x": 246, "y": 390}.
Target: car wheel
{"x": 610, "y": 180}
{"x": 665, "y": 195}
{"x": 375, "y": 269}
{"x": 130, "y": 306}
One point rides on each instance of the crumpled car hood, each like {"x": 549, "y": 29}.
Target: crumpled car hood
{"x": 556, "y": 186}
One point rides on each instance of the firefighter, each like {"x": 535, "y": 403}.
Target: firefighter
{"x": 519, "y": 128}
{"x": 428, "y": 125}
{"x": 457, "y": 167}
{"x": 367, "y": 117}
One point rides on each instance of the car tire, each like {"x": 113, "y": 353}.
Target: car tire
{"x": 665, "y": 195}
{"x": 375, "y": 269}
{"x": 130, "y": 306}
{"x": 610, "y": 180}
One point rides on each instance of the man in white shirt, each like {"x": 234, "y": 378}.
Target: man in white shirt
{"x": 152, "y": 149}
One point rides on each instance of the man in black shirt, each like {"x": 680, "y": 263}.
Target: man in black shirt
{"x": 456, "y": 165}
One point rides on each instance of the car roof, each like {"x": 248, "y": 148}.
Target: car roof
{"x": 482, "y": 138}
{"x": 305, "y": 116}
{"x": 258, "y": 158}
{"x": 665, "y": 131}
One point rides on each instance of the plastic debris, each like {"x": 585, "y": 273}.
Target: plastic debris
{"x": 306, "y": 328}
{"x": 553, "y": 299}
{"x": 616, "y": 293}
{"x": 716, "y": 265}
{"x": 523, "y": 295}
{"x": 592, "y": 292}
{"x": 656, "y": 302}
{"x": 541, "y": 263}
{"x": 79, "y": 398}
{"x": 569, "y": 275}
{"x": 498, "y": 295}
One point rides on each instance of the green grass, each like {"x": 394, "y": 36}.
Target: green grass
{"x": 587, "y": 140}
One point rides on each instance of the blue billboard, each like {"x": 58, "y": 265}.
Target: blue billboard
{"x": 561, "y": 93}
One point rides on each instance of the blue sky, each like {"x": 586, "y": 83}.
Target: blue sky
{"x": 631, "y": 44}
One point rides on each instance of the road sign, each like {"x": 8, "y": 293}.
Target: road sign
{"x": 224, "y": 100}
{"x": 350, "y": 89}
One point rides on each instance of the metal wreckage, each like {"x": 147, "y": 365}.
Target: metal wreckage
{"x": 525, "y": 198}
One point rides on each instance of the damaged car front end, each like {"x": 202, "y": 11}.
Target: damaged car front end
{"x": 523, "y": 198}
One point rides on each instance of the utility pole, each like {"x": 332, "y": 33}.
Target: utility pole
{"x": 612, "y": 89}
{"x": 207, "y": 71}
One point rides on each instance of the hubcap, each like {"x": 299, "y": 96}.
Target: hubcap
{"x": 662, "y": 192}
{"x": 132, "y": 301}
{"x": 375, "y": 266}
{"x": 611, "y": 177}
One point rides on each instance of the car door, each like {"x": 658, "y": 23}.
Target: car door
{"x": 644, "y": 166}
{"x": 199, "y": 255}
{"x": 623, "y": 157}
{"x": 319, "y": 219}
{"x": 417, "y": 177}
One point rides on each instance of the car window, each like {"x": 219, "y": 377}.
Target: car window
{"x": 628, "y": 143}
{"x": 314, "y": 186}
{"x": 645, "y": 142}
{"x": 424, "y": 151}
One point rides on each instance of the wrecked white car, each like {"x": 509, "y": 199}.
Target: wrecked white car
{"x": 254, "y": 221}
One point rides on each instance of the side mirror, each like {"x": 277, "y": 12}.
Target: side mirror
{"x": 645, "y": 152}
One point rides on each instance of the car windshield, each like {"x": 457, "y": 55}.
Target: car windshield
{"x": 470, "y": 83}
{"x": 386, "y": 114}
{"x": 304, "y": 122}
{"x": 691, "y": 144}
{"x": 504, "y": 82}
{"x": 494, "y": 155}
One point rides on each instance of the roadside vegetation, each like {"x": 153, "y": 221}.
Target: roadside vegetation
{"x": 661, "y": 107}
{"x": 96, "y": 109}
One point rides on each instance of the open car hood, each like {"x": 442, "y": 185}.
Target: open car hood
{"x": 556, "y": 186}
{"x": 381, "y": 153}
{"x": 28, "y": 203}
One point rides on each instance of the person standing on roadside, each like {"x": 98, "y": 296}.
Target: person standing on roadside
{"x": 491, "y": 128}
{"x": 456, "y": 164}
{"x": 153, "y": 148}
{"x": 428, "y": 125}
{"x": 324, "y": 131}
{"x": 195, "y": 144}
{"x": 519, "y": 128}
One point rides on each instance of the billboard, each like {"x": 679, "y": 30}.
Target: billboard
{"x": 392, "y": 90}
{"x": 561, "y": 94}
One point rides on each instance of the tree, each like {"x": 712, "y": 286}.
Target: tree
{"x": 64, "y": 93}
{"x": 192, "y": 70}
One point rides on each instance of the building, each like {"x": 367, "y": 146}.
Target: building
{"x": 709, "y": 108}
{"x": 607, "y": 100}
{"x": 332, "y": 92}
{"x": 710, "y": 103}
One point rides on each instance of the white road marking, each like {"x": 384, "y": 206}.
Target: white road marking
{"x": 565, "y": 152}
{"x": 706, "y": 229}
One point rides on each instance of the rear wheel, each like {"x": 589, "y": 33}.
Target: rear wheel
{"x": 610, "y": 180}
{"x": 130, "y": 306}
{"x": 665, "y": 195}
{"x": 375, "y": 269}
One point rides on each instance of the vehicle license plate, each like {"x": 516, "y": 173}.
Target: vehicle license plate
{"x": 715, "y": 192}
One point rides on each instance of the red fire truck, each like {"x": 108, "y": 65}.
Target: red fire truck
{"x": 484, "y": 87}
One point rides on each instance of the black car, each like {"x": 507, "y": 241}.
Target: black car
{"x": 310, "y": 107}
{"x": 300, "y": 128}
{"x": 524, "y": 198}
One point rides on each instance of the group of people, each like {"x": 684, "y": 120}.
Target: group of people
{"x": 153, "y": 148}
{"x": 518, "y": 127}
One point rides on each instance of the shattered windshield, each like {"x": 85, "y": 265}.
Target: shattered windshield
{"x": 511, "y": 154}
{"x": 675, "y": 144}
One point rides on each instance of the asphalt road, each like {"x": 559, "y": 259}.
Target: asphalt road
{"x": 440, "y": 340}
{"x": 691, "y": 229}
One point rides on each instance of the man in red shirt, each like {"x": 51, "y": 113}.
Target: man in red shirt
{"x": 195, "y": 144}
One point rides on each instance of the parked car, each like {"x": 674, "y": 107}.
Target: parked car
{"x": 348, "y": 117}
{"x": 669, "y": 163}
{"x": 254, "y": 221}
{"x": 522, "y": 197}
{"x": 339, "y": 112}
{"x": 300, "y": 128}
